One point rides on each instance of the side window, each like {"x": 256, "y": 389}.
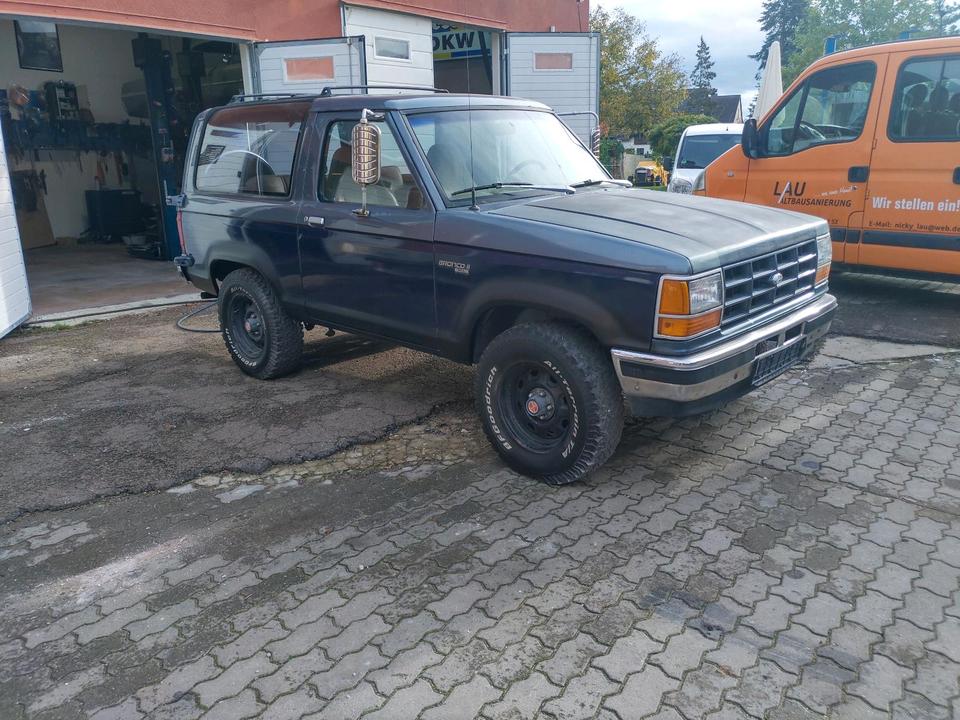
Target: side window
{"x": 396, "y": 188}
{"x": 926, "y": 104}
{"x": 782, "y": 125}
{"x": 249, "y": 150}
{"x": 830, "y": 107}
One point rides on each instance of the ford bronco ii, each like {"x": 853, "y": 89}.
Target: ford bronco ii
{"x": 482, "y": 230}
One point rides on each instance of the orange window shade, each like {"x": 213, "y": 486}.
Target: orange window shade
{"x": 553, "y": 61}
{"x": 308, "y": 68}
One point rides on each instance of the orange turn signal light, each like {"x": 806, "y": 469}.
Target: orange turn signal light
{"x": 674, "y": 297}
{"x": 688, "y": 326}
{"x": 823, "y": 272}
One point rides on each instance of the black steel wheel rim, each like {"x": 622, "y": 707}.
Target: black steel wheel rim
{"x": 247, "y": 328}
{"x": 536, "y": 407}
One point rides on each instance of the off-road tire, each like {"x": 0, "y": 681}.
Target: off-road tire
{"x": 284, "y": 335}
{"x": 586, "y": 373}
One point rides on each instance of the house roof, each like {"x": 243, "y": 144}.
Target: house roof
{"x": 725, "y": 107}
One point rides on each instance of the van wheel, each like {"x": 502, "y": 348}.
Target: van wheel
{"x": 549, "y": 401}
{"x": 262, "y": 338}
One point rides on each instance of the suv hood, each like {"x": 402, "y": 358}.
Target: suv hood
{"x": 708, "y": 232}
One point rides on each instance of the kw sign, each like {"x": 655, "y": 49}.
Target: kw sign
{"x": 451, "y": 42}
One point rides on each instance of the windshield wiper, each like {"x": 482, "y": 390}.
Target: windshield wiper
{"x": 569, "y": 190}
{"x": 589, "y": 183}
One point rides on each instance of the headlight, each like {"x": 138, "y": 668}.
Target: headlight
{"x": 705, "y": 293}
{"x": 678, "y": 185}
{"x": 689, "y": 306}
{"x": 824, "y": 257}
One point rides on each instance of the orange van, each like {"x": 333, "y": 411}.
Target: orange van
{"x": 869, "y": 140}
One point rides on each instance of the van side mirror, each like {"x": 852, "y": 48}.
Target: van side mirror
{"x": 750, "y": 140}
{"x": 365, "y": 157}
{"x": 667, "y": 163}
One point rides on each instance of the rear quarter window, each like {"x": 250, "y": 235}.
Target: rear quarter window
{"x": 250, "y": 150}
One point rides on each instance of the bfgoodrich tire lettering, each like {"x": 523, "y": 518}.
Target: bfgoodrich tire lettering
{"x": 549, "y": 401}
{"x": 263, "y": 340}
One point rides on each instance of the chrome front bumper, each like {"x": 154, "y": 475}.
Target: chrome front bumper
{"x": 672, "y": 385}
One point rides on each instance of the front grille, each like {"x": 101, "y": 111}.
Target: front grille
{"x": 751, "y": 287}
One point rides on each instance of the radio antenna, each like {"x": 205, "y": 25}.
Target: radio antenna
{"x": 473, "y": 175}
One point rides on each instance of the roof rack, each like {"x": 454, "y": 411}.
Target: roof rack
{"x": 328, "y": 91}
{"x": 252, "y": 97}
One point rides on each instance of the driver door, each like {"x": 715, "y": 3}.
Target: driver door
{"x": 370, "y": 273}
{"x": 816, "y": 148}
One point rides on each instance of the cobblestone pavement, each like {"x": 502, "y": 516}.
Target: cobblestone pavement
{"x": 796, "y": 555}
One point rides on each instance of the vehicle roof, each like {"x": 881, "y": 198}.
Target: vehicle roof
{"x": 867, "y": 51}
{"x": 402, "y": 101}
{"x": 715, "y": 129}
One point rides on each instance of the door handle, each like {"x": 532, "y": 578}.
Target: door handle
{"x": 956, "y": 176}
{"x": 313, "y": 220}
{"x": 858, "y": 174}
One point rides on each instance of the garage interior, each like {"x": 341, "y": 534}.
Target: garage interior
{"x": 463, "y": 59}
{"x": 96, "y": 122}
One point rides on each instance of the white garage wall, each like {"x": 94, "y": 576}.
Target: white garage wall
{"x": 270, "y": 63}
{"x": 573, "y": 90}
{"x": 98, "y": 61}
{"x": 14, "y": 295}
{"x": 416, "y": 30}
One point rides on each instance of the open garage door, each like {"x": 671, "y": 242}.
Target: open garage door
{"x": 307, "y": 66}
{"x": 14, "y": 296}
{"x": 561, "y": 70}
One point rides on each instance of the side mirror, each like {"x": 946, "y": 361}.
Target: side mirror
{"x": 667, "y": 164}
{"x": 750, "y": 140}
{"x": 365, "y": 157}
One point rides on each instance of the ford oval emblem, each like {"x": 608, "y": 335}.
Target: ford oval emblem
{"x": 776, "y": 278}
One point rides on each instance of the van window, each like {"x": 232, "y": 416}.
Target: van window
{"x": 698, "y": 151}
{"x": 926, "y": 104}
{"x": 830, "y": 107}
{"x": 396, "y": 188}
{"x": 249, "y": 150}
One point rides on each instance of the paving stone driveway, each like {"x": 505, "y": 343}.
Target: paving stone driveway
{"x": 796, "y": 555}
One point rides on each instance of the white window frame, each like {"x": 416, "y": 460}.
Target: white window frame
{"x": 390, "y": 58}
{"x": 552, "y": 70}
{"x": 308, "y": 81}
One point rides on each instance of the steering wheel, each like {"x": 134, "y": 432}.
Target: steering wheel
{"x": 813, "y": 132}
{"x": 520, "y": 166}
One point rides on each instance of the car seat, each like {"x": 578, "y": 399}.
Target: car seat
{"x": 348, "y": 191}
{"x": 914, "y": 116}
{"x": 940, "y": 122}
{"x": 339, "y": 164}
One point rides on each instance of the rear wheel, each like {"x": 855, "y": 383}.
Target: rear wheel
{"x": 261, "y": 337}
{"x": 549, "y": 401}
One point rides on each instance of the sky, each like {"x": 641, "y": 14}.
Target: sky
{"x": 730, "y": 27}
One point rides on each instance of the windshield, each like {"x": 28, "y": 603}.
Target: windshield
{"x": 524, "y": 147}
{"x": 698, "y": 151}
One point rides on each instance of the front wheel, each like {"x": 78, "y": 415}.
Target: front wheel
{"x": 262, "y": 338}
{"x": 549, "y": 401}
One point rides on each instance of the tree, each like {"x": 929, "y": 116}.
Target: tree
{"x": 665, "y": 137}
{"x": 700, "y": 97}
{"x": 865, "y": 22}
{"x": 780, "y": 20}
{"x": 946, "y": 16}
{"x": 640, "y": 85}
{"x": 703, "y": 74}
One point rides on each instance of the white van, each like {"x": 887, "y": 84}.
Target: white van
{"x": 699, "y": 146}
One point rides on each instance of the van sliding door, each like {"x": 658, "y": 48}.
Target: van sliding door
{"x": 912, "y": 217}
